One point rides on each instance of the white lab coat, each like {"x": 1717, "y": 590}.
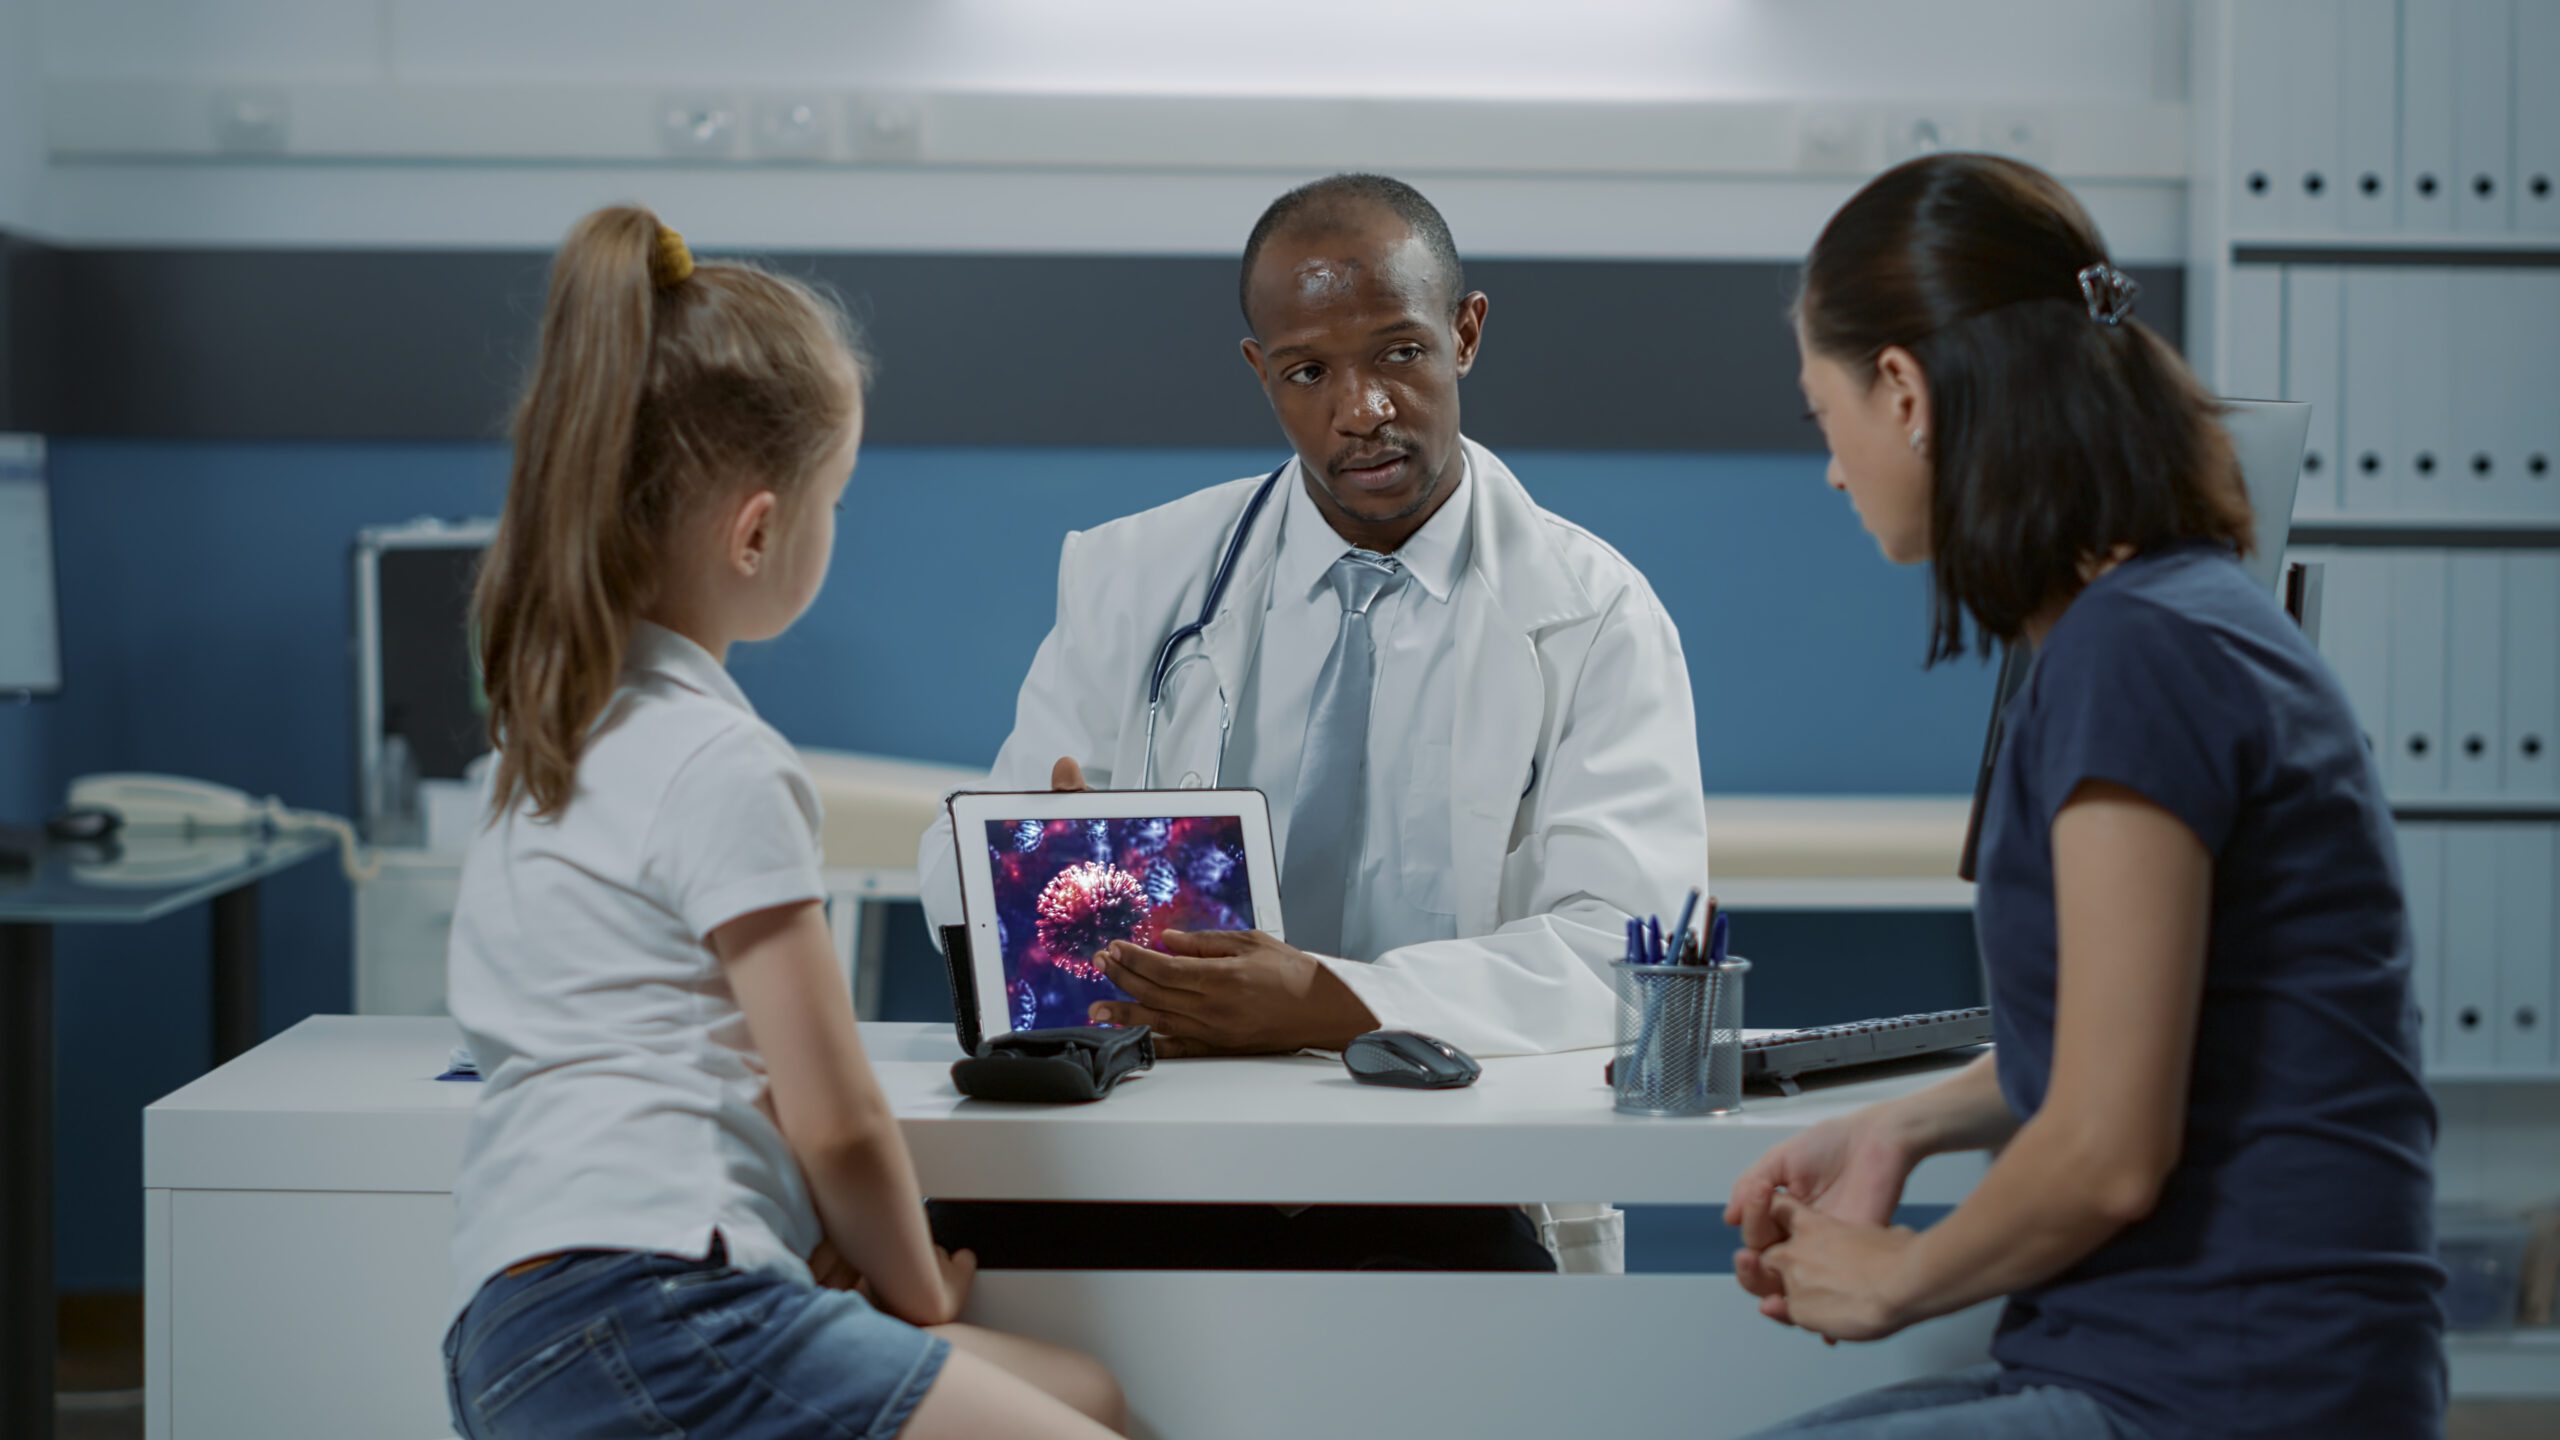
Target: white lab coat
{"x": 1574, "y": 791}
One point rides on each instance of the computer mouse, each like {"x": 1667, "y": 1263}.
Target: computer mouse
{"x": 84, "y": 822}
{"x": 1408, "y": 1059}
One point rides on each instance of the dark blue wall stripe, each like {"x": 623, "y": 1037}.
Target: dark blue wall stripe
{"x": 1040, "y": 350}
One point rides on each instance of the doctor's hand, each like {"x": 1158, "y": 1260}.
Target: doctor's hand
{"x": 1067, "y": 775}
{"x": 1851, "y": 1168}
{"x": 1842, "y": 1280}
{"x": 1230, "y": 992}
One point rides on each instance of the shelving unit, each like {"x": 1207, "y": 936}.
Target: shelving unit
{"x": 2357, "y": 197}
{"x": 2383, "y": 249}
{"x": 2485, "y": 807}
{"x": 2515, "y": 1364}
{"x": 2453, "y": 532}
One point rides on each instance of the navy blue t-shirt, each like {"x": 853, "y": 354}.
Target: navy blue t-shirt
{"x": 2286, "y": 1284}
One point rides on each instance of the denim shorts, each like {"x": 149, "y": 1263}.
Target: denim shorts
{"x": 626, "y": 1343}
{"x": 1966, "y": 1405}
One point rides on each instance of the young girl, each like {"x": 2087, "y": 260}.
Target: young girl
{"x": 677, "y": 1113}
{"x": 2210, "y": 1211}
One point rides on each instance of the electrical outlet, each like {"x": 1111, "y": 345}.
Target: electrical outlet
{"x": 2018, "y": 134}
{"x": 794, "y": 127}
{"x": 251, "y": 121}
{"x": 888, "y": 129}
{"x": 1910, "y": 134}
{"x": 697, "y": 126}
{"x": 1835, "y": 142}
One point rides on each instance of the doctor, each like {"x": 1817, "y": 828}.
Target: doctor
{"x": 1472, "y": 718}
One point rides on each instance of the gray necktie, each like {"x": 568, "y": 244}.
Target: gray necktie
{"x": 1325, "y": 826}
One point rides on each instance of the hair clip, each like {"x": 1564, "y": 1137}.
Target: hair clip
{"x": 671, "y": 263}
{"x": 2109, "y": 292}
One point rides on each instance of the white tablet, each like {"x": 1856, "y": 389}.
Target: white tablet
{"x": 1047, "y": 880}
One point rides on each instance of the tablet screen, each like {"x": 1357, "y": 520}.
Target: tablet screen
{"x": 1064, "y": 889}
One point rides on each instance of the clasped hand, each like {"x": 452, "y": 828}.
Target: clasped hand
{"x": 1819, "y": 1249}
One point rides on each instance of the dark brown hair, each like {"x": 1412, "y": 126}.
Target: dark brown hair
{"x": 2054, "y": 437}
{"x": 658, "y": 386}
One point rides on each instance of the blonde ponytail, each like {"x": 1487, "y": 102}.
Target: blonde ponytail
{"x": 649, "y": 389}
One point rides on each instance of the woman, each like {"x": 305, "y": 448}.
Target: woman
{"x": 2210, "y": 1210}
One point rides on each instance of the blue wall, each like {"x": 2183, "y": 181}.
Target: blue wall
{"x": 26, "y": 736}
{"x": 205, "y": 605}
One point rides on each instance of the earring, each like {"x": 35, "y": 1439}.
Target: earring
{"x": 1919, "y": 443}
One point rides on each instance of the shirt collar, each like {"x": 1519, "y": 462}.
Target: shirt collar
{"x": 1434, "y": 554}
{"x": 657, "y": 650}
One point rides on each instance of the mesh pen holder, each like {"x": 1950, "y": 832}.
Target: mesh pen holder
{"x": 1680, "y": 1038}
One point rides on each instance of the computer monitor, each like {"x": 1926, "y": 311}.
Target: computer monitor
{"x": 30, "y": 620}
{"x": 420, "y": 714}
{"x": 2268, "y": 437}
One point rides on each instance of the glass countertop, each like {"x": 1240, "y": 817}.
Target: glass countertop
{"x": 143, "y": 877}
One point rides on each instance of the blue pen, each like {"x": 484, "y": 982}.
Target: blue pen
{"x": 1641, "y": 950}
{"x": 1688, "y": 911}
{"x": 1719, "y": 935}
{"x": 1653, "y": 934}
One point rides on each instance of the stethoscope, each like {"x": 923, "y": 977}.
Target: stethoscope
{"x": 1166, "y": 665}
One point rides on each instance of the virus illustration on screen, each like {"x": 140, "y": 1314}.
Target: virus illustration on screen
{"x": 1087, "y": 906}
{"x": 1212, "y": 865}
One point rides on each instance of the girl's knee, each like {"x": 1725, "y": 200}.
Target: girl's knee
{"x": 1096, "y": 1392}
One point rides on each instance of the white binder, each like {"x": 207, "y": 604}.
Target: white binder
{"x": 2475, "y": 703}
{"x": 2537, "y": 101}
{"x": 2368, "y": 456}
{"x": 2471, "y": 915}
{"x": 2537, "y": 381}
{"x": 2414, "y": 768}
{"x": 2256, "y": 301}
{"x": 2483, "y": 374}
{"x": 2312, "y": 296}
{"x": 2311, "y": 63}
{"x": 2355, "y": 635}
{"x": 2258, "y": 41}
{"x": 2422, "y": 421}
{"x": 2368, "y": 114}
{"x": 2483, "y": 113}
{"x": 2526, "y": 965}
{"x": 2427, "y": 177}
{"x": 2422, "y": 887}
{"x": 2531, "y": 667}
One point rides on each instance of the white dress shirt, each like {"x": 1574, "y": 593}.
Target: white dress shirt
{"x": 619, "y": 1110}
{"x": 1399, "y": 890}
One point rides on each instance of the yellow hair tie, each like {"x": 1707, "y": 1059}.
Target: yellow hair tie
{"x": 672, "y": 263}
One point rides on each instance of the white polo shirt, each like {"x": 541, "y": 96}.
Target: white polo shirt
{"x": 619, "y": 1109}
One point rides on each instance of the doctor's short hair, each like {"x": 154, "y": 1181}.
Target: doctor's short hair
{"x": 2061, "y": 428}
{"x": 1333, "y": 200}
{"x": 659, "y": 388}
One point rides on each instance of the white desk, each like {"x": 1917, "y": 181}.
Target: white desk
{"x": 297, "y": 1202}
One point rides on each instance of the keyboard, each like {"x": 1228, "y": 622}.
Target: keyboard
{"x": 1776, "y": 1061}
